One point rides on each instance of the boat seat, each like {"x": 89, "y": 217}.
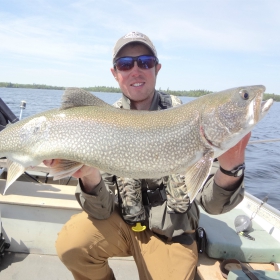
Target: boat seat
{"x": 224, "y": 243}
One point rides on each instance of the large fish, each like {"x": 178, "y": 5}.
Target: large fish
{"x": 130, "y": 143}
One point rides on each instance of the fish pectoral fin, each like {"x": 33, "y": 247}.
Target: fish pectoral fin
{"x": 64, "y": 168}
{"x": 14, "y": 170}
{"x": 197, "y": 174}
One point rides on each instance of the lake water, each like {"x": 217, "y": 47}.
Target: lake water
{"x": 262, "y": 177}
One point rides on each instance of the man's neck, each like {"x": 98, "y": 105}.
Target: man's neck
{"x": 142, "y": 105}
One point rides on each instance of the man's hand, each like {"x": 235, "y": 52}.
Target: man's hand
{"x": 90, "y": 176}
{"x": 229, "y": 160}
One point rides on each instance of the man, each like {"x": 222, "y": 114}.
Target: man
{"x": 150, "y": 223}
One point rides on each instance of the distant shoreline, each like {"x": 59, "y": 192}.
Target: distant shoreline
{"x": 188, "y": 93}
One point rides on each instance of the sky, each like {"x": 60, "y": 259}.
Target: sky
{"x": 201, "y": 44}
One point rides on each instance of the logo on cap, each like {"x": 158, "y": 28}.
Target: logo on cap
{"x": 134, "y": 35}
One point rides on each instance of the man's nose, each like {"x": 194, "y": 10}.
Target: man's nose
{"x": 135, "y": 68}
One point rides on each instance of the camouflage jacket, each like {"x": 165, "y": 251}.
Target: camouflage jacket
{"x": 170, "y": 216}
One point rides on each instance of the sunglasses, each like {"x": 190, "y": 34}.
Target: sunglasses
{"x": 143, "y": 61}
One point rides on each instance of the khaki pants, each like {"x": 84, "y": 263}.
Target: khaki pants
{"x": 85, "y": 244}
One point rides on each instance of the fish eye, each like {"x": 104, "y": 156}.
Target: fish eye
{"x": 244, "y": 94}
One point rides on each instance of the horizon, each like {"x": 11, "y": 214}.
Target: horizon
{"x": 51, "y": 87}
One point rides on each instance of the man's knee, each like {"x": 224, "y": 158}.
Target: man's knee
{"x": 71, "y": 242}
{"x": 85, "y": 246}
{"x": 70, "y": 256}
{"x": 67, "y": 250}
{"x": 82, "y": 263}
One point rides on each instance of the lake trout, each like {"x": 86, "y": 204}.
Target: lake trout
{"x": 130, "y": 143}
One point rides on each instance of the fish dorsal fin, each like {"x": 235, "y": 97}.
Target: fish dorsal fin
{"x": 76, "y": 97}
{"x": 14, "y": 170}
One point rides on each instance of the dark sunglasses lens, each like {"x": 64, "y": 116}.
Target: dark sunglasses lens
{"x": 143, "y": 62}
{"x": 124, "y": 63}
{"x": 146, "y": 62}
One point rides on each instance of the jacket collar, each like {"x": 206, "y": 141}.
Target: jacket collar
{"x": 154, "y": 106}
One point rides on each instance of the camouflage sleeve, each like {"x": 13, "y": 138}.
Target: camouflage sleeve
{"x": 176, "y": 193}
{"x": 176, "y": 101}
{"x": 212, "y": 198}
{"x": 118, "y": 103}
{"x": 130, "y": 191}
{"x": 216, "y": 200}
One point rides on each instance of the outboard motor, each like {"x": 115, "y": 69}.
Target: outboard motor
{"x": 6, "y": 115}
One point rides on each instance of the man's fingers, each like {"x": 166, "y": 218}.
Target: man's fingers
{"x": 48, "y": 162}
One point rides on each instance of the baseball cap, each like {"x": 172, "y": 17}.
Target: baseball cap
{"x": 130, "y": 37}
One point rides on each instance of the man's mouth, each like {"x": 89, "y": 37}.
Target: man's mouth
{"x": 137, "y": 84}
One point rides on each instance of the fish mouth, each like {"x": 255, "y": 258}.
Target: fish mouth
{"x": 265, "y": 105}
{"x": 260, "y": 107}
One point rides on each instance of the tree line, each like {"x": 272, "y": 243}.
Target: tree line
{"x": 35, "y": 86}
{"x": 189, "y": 93}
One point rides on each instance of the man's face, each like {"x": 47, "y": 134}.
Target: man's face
{"x": 137, "y": 84}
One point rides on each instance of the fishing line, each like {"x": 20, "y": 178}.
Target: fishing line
{"x": 32, "y": 177}
{"x": 263, "y": 141}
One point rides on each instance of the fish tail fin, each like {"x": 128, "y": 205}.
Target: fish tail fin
{"x": 64, "y": 168}
{"x": 14, "y": 170}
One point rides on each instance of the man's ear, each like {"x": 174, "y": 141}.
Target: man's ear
{"x": 114, "y": 73}
{"x": 158, "y": 67}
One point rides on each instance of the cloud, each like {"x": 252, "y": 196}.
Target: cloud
{"x": 36, "y": 37}
{"x": 71, "y": 37}
{"x": 84, "y": 29}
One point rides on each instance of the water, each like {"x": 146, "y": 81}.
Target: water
{"x": 262, "y": 177}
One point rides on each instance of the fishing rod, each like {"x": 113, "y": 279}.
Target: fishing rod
{"x": 22, "y": 107}
{"x": 263, "y": 141}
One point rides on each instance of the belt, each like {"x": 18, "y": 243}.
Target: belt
{"x": 186, "y": 238}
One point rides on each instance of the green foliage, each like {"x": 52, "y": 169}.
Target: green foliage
{"x": 275, "y": 97}
{"x": 190, "y": 93}
{"x": 38, "y": 86}
{"x": 200, "y": 92}
{"x": 103, "y": 89}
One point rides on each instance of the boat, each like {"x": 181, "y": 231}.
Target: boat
{"x": 35, "y": 208}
